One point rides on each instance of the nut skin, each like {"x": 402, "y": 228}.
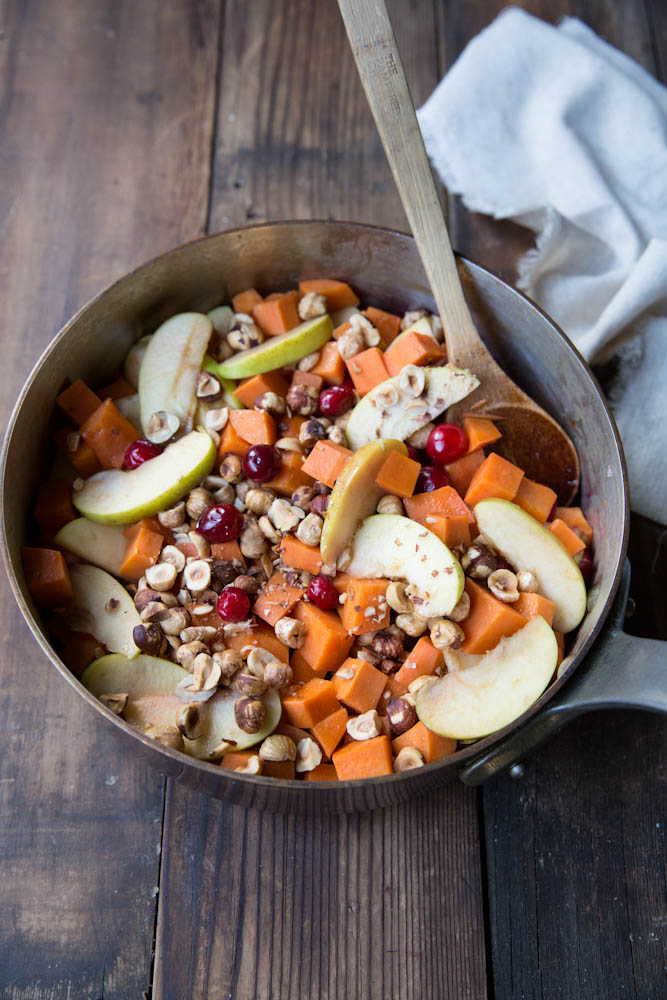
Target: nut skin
{"x": 319, "y": 504}
{"x": 251, "y": 584}
{"x": 249, "y": 714}
{"x": 503, "y": 584}
{"x": 148, "y": 638}
{"x": 249, "y": 685}
{"x": 277, "y": 675}
{"x": 190, "y": 721}
{"x": 271, "y": 403}
{"x": 337, "y": 435}
{"x": 310, "y": 432}
{"x": 229, "y": 662}
{"x": 197, "y": 501}
{"x": 174, "y": 517}
{"x": 187, "y": 651}
{"x": 303, "y": 399}
{"x": 259, "y": 502}
{"x": 445, "y": 634}
{"x": 115, "y": 702}
{"x": 251, "y": 541}
{"x": 302, "y": 497}
{"x": 176, "y": 620}
{"x": 389, "y": 666}
{"x": 387, "y": 645}
{"x": 401, "y": 715}
{"x": 231, "y": 469}
{"x": 478, "y": 561}
{"x": 144, "y": 597}
{"x": 208, "y": 387}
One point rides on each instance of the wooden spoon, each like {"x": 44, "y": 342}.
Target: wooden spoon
{"x": 531, "y": 438}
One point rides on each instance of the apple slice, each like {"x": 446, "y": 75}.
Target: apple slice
{"x": 103, "y": 545}
{"x": 133, "y": 360}
{"x": 130, "y": 407}
{"x": 276, "y": 352}
{"x": 102, "y": 607}
{"x": 354, "y": 497}
{"x": 481, "y": 698}
{"x": 389, "y": 411}
{"x": 388, "y": 545}
{"x": 209, "y": 364}
{"x": 528, "y": 545}
{"x": 118, "y": 497}
{"x": 151, "y": 682}
{"x": 170, "y": 366}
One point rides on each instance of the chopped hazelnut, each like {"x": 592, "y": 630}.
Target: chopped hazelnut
{"x": 312, "y": 305}
{"x": 207, "y": 387}
{"x": 161, "y": 576}
{"x": 310, "y": 432}
{"x": 310, "y": 530}
{"x": 389, "y": 504}
{"x": 411, "y": 624}
{"x": 231, "y": 469}
{"x": 446, "y": 634}
{"x": 174, "y": 517}
{"x": 303, "y": 399}
{"x": 407, "y": 759}
{"x": 148, "y": 638}
{"x": 259, "y": 501}
{"x": 461, "y": 610}
{"x": 291, "y": 632}
{"x": 251, "y": 541}
{"x": 197, "y": 576}
{"x": 172, "y": 554}
{"x": 401, "y": 715}
{"x": 190, "y": 721}
{"x": 162, "y": 426}
{"x": 271, "y": 403}
{"x": 249, "y": 714}
{"x": 308, "y": 755}
{"x": 278, "y": 748}
{"x": 169, "y": 736}
{"x": 397, "y": 598}
{"x": 364, "y": 726}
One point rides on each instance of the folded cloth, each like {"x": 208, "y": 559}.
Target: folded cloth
{"x": 554, "y": 128}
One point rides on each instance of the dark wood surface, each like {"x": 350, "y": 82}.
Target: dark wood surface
{"x": 127, "y": 128}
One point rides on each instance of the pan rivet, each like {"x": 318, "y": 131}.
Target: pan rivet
{"x": 517, "y": 771}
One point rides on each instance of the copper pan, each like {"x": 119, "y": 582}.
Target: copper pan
{"x": 605, "y": 667}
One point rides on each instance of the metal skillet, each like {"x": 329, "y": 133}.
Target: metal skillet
{"x": 604, "y": 667}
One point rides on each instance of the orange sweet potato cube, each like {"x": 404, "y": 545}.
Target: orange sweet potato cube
{"x": 277, "y": 315}
{"x": 290, "y": 475}
{"x": 260, "y": 637}
{"x": 496, "y": 477}
{"x": 430, "y": 745}
{"x": 424, "y": 660}
{"x": 461, "y": 471}
{"x": 297, "y": 555}
{"x": 330, "y": 731}
{"x": 367, "y": 369}
{"x": 323, "y": 772}
{"x": 393, "y": 689}
{"x": 450, "y": 530}
{"x": 302, "y": 672}
{"x": 412, "y": 348}
{"x": 252, "y": 388}
{"x": 572, "y": 542}
{"x": 359, "y": 685}
{"x": 276, "y": 599}
{"x": 398, "y": 475}
{"x": 326, "y": 462}
{"x": 245, "y": 302}
{"x": 231, "y": 443}
{"x": 254, "y": 426}
{"x": 330, "y": 367}
{"x": 327, "y": 643}
{"x": 488, "y": 621}
{"x": 574, "y": 518}
{"x": 365, "y": 759}
{"x": 78, "y": 401}
{"x": 480, "y": 431}
{"x": 337, "y": 293}
{"x": 444, "y": 502}
{"x": 365, "y": 608}
{"x": 387, "y": 324}
{"x": 283, "y": 769}
{"x": 534, "y": 605}
{"x": 536, "y": 499}
{"x": 309, "y": 704}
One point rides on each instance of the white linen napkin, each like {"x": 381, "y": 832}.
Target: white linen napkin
{"x": 558, "y": 130}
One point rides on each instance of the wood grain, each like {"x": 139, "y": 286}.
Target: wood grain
{"x": 105, "y": 160}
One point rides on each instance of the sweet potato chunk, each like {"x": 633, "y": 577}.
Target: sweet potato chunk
{"x": 489, "y": 620}
{"x": 365, "y": 759}
{"x": 309, "y": 704}
{"x": 361, "y": 691}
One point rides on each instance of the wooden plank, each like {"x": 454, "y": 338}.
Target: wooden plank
{"x": 366, "y": 906}
{"x": 105, "y": 153}
{"x": 371, "y": 906}
{"x": 576, "y": 849}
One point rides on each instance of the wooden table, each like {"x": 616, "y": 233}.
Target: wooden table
{"x": 129, "y": 126}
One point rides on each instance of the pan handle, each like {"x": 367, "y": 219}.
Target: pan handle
{"x": 622, "y": 671}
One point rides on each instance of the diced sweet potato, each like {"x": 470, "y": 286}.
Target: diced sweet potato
{"x": 367, "y": 369}
{"x": 143, "y": 550}
{"x": 261, "y": 637}
{"x": 560, "y": 640}
{"x": 534, "y": 605}
{"x": 536, "y": 499}
{"x": 444, "y": 502}
{"x": 461, "y": 471}
{"x": 424, "y": 660}
{"x": 327, "y": 643}
{"x": 277, "y": 315}
{"x": 290, "y": 476}
{"x": 283, "y": 769}
{"x": 297, "y": 555}
{"x": 572, "y": 542}
{"x": 307, "y": 378}
{"x": 330, "y": 731}
{"x": 231, "y": 442}
{"x": 337, "y": 293}
{"x": 412, "y": 349}
{"x": 431, "y": 746}
{"x": 574, "y": 518}
{"x": 81, "y": 456}
{"x": 252, "y": 388}
{"x": 362, "y": 689}
{"x": 117, "y": 389}
{"x": 54, "y": 507}
{"x": 365, "y": 608}
{"x": 387, "y": 324}
{"x": 452, "y": 531}
{"x": 276, "y": 599}
{"x": 78, "y": 401}
{"x": 80, "y": 650}
{"x": 226, "y": 551}
{"x": 398, "y": 475}
{"x": 284, "y": 728}
{"x": 109, "y": 434}
{"x": 496, "y": 477}
{"x": 237, "y": 760}
{"x": 365, "y": 759}
{"x": 326, "y": 462}
{"x": 480, "y": 431}
{"x": 309, "y": 704}
{"x": 330, "y": 367}
{"x": 302, "y": 672}
{"x": 488, "y": 621}
{"x": 323, "y": 772}
{"x": 245, "y": 302}
{"x": 254, "y": 426}
{"x": 47, "y": 577}
{"x": 290, "y": 426}
{"x": 393, "y": 689}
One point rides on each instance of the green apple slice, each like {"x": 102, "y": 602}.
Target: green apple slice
{"x": 528, "y": 545}
{"x": 133, "y": 360}
{"x": 209, "y": 364}
{"x": 481, "y": 698}
{"x": 103, "y": 608}
{"x": 104, "y": 545}
{"x": 170, "y": 366}
{"x": 130, "y": 407}
{"x": 354, "y": 497}
{"x": 118, "y": 497}
{"x": 276, "y": 352}
{"x": 387, "y": 411}
{"x": 150, "y": 683}
{"x": 388, "y": 545}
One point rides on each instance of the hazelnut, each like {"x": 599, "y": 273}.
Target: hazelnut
{"x": 411, "y": 381}
{"x": 389, "y": 666}
{"x": 420, "y": 682}
{"x": 446, "y": 634}
{"x": 385, "y": 644}
{"x": 310, "y": 530}
{"x": 231, "y": 469}
{"x": 207, "y": 387}
{"x": 259, "y": 501}
{"x": 190, "y": 721}
{"x": 154, "y": 611}
{"x": 197, "y": 575}
{"x": 369, "y": 656}
{"x": 162, "y": 426}
{"x": 278, "y": 748}
{"x": 148, "y": 638}
{"x": 161, "y": 576}
{"x": 271, "y": 403}
{"x": 172, "y": 554}
{"x": 401, "y": 715}
{"x": 253, "y": 765}
{"x": 526, "y": 582}
{"x": 251, "y": 584}
{"x": 201, "y": 633}
{"x": 244, "y": 333}
{"x": 288, "y": 444}
{"x": 308, "y": 755}
{"x": 250, "y": 685}
{"x": 200, "y": 543}
{"x": 303, "y": 399}
{"x": 419, "y": 438}
{"x": 174, "y": 517}
{"x": 251, "y": 541}
{"x": 267, "y": 529}
{"x": 365, "y": 726}
{"x": 302, "y": 497}
{"x": 337, "y": 435}
{"x": 350, "y": 343}
{"x": 307, "y": 363}
{"x": 389, "y": 505}
{"x": 291, "y": 632}
{"x": 169, "y": 736}
{"x": 206, "y": 673}
{"x": 411, "y": 624}
{"x": 284, "y": 516}
{"x": 503, "y": 584}
{"x": 397, "y": 598}
{"x": 411, "y": 317}
{"x": 258, "y": 660}
{"x": 249, "y": 714}
{"x": 197, "y": 501}
{"x": 229, "y": 662}
{"x": 310, "y": 432}
{"x": 461, "y": 610}
{"x": 319, "y": 504}
{"x": 144, "y": 597}
{"x": 115, "y": 702}
{"x": 312, "y": 305}
{"x": 277, "y": 675}
{"x": 407, "y": 759}
{"x": 187, "y": 651}
{"x": 216, "y": 419}
{"x": 478, "y": 561}
{"x": 175, "y": 621}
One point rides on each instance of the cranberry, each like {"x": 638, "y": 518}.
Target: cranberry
{"x": 261, "y": 462}
{"x": 432, "y": 477}
{"x": 233, "y": 604}
{"x": 139, "y": 452}
{"x": 413, "y": 453}
{"x": 322, "y": 593}
{"x": 336, "y": 400}
{"x": 446, "y": 443}
{"x": 586, "y": 565}
{"x": 221, "y": 523}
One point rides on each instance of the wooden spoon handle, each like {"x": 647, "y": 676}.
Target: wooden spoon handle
{"x": 379, "y": 63}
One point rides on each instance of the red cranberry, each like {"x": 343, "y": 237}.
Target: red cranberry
{"x": 233, "y": 604}
{"x": 322, "y": 593}
{"x": 260, "y": 463}
{"x": 221, "y": 523}
{"x": 336, "y": 400}
{"x": 413, "y": 453}
{"x": 446, "y": 443}
{"x": 586, "y": 566}
{"x": 140, "y": 452}
{"x": 432, "y": 477}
